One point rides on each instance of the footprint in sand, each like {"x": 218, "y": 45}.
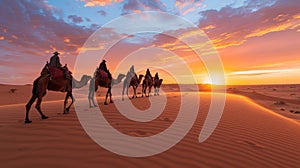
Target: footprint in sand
{"x": 253, "y": 144}
{"x": 166, "y": 119}
{"x": 137, "y": 133}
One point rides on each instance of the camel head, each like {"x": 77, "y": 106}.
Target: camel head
{"x": 120, "y": 77}
{"x": 83, "y": 81}
{"x": 85, "y": 78}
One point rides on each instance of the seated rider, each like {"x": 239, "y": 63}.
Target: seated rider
{"x": 55, "y": 62}
{"x": 132, "y": 69}
{"x": 103, "y": 67}
{"x": 131, "y": 72}
{"x": 156, "y": 76}
{"x": 148, "y": 74}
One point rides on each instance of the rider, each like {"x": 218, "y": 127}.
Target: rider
{"x": 148, "y": 74}
{"x": 55, "y": 62}
{"x": 132, "y": 69}
{"x": 103, "y": 67}
{"x": 131, "y": 72}
{"x": 156, "y": 76}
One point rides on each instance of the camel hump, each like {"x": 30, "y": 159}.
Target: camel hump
{"x": 102, "y": 73}
{"x": 130, "y": 74}
{"x": 56, "y": 72}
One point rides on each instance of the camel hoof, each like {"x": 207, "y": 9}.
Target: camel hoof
{"x": 111, "y": 101}
{"x": 65, "y": 112}
{"x": 105, "y": 103}
{"x": 28, "y": 121}
{"x": 44, "y": 117}
{"x": 91, "y": 106}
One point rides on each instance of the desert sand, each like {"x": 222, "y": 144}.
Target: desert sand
{"x": 282, "y": 99}
{"x": 248, "y": 135}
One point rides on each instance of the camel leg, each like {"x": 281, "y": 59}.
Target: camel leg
{"x": 38, "y": 107}
{"x": 134, "y": 92}
{"x": 91, "y": 95}
{"x": 110, "y": 95}
{"x": 127, "y": 91}
{"x": 91, "y": 98}
{"x": 123, "y": 91}
{"x": 105, "y": 103}
{"x": 143, "y": 90}
{"x": 28, "y": 106}
{"x": 73, "y": 100}
{"x": 149, "y": 91}
{"x": 125, "y": 86}
{"x": 66, "y": 102}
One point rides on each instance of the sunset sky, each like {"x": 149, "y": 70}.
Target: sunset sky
{"x": 258, "y": 41}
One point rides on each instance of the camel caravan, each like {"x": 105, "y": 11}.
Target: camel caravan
{"x": 56, "y": 77}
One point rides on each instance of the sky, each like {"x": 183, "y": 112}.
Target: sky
{"x": 257, "y": 40}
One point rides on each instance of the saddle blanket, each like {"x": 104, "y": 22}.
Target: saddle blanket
{"x": 56, "y": 72}
{"x": 103, "y": 74}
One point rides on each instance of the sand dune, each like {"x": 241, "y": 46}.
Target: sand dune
{"x": 248, "y": 135}
{"x": 282, "y": 99}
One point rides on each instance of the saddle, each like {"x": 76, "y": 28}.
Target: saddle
{"x": 130, "y": 75}
{"x": 59, "y": 72}
{"x": 102, "y": 74}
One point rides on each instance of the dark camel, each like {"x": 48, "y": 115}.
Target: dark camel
{"x": 131, "y": 80}
{"x": 43, "y": 83}
{"x": 96, "y": 81}
{"x": 156, "y": 85}
{"x": 147, "y": 83}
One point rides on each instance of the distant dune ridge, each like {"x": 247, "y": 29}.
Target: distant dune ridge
{"x": 248, "y": 134}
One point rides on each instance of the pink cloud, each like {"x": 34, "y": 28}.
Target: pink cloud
{"x": 187, "y": 6}
{"x": 93, "y": 3}
{"x": 143, "y": 5}
{"x": 232, "y": 26}
{"x": 30, "y": 34}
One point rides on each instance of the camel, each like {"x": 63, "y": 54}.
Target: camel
{"x": 44, "y": 83}
{"x": 96, "y": 81}
{"x": 157, "y": 84}
{"x": 147, "y": 83}
{"x": 131, "y": 80}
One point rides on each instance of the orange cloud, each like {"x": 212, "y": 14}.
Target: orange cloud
{"x": 290, "y": 24}
{"x": 14, "y": 36}
{"x": 187, "y": 6}
{"x": 93, "y": 3}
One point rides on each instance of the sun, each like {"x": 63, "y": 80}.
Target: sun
{"x": 207, "y": 80}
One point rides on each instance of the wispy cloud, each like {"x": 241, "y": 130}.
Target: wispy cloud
{"x": 93, "y": 3}
{"x": 233, "y": 26}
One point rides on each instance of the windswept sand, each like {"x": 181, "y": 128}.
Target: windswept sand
{"x": 282, "y": 99}
{"x": 248, "y": 135}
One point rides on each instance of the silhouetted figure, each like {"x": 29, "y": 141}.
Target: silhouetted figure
{"x": 156, "y": 77}
{"x": 132, "y": 69}
{"x": 148, "y": 74}
{"x": 131, "y": 80}
{"x": 103, "y": 67}
{"x": 55, "y": 62}
{"x": 131, "y": 73}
